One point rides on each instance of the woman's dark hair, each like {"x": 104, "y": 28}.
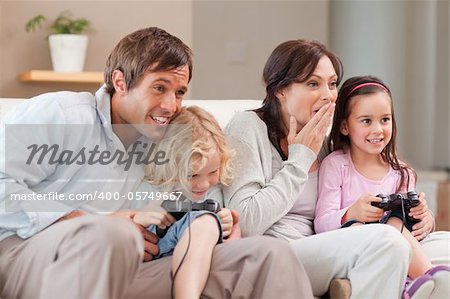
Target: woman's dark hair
{"x": 146, "y": 50}
{"x": 291, "y": 62}
{"x": 366, "y": 85}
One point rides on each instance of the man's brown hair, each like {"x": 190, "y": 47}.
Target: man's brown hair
{"x": 147, "y": 50}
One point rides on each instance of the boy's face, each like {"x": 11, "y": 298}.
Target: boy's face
{"x": 153, "y": 101}
{"x": 206, "y": 177}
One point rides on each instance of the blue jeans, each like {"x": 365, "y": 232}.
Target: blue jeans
{"x": 175, "y": 232}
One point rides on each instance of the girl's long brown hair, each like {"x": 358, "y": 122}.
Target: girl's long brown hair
{"x": 342, "y": 111}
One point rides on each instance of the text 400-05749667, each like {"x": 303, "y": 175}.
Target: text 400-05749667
{"x": 97, "y": 195}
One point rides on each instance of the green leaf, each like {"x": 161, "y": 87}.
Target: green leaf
{"x": 63, "y": 24}
{"x": 35, "y": 22}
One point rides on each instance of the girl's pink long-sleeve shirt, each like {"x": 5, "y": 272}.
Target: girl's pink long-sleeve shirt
{"x": 340, "y": 185}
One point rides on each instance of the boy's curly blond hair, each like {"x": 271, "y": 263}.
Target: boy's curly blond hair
{"x": 191, "y": 137}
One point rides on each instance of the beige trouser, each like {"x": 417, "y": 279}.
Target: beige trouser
{"x": 437, "y": 247}
{"x": 374, "y": 258}
{"x": 100, "y": 257}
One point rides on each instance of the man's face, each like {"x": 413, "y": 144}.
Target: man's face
{"x": 152, "y": 103}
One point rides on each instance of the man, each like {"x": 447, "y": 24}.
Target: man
{"x": 59, "y": 147}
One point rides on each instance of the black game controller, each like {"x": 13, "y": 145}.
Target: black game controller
{"x": 178, "y": 208}
{"x": 395, "y": 203}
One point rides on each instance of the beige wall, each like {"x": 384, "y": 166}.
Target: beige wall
{"x": 406, "y": 44}
{"x": 21, "y": 51}
{"x": 233, "y": 39}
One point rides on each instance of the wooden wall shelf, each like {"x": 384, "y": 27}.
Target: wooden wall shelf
{"x": 50, "y": 76}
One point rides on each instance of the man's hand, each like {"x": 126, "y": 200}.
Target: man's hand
{"x": 151, "y": 247}
{"x": 150, "y": 240}
{"x": 71, "y": 215}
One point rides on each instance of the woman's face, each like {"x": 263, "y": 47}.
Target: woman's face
{"x": 303, "y": 100}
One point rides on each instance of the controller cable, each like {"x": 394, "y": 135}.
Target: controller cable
{"x": 185, "y": 253}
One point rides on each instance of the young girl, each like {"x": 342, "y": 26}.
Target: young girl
{"x": 198, "y": 159}
{"x": 364, "y": 163}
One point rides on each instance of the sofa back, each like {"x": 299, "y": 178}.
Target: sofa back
{"x": 7, "y": 104}
{"x": 223, "y": 110}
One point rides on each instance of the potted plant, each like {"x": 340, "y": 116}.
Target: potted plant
{"x": 67, "y": 43}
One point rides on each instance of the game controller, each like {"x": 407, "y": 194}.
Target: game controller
{"x": 178, "y": 208}
{"x": 395, "y": 202}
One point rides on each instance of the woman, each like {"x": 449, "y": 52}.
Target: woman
{"x": 275, "y": 185}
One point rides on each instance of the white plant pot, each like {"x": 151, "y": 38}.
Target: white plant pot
{"x": 68, "y": 52}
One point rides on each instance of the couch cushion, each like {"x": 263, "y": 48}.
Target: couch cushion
{"x": 7, "y": 104}
{"x": 223, "y": 110}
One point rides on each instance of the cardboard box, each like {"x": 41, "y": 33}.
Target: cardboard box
{"x": 443, "y": 207}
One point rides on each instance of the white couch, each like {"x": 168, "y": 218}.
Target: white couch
{"x": 223, "y": 110}
{"x": 7, "y": 104}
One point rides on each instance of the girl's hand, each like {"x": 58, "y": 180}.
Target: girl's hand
{"x": 161, "y": 219}
{"x": 363, "y": 211}
{"x": 421, "y": 212}
{"x": 422, "y": 208}
{"x": 313, "y": 133}
{"x": 226, "y": 218}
